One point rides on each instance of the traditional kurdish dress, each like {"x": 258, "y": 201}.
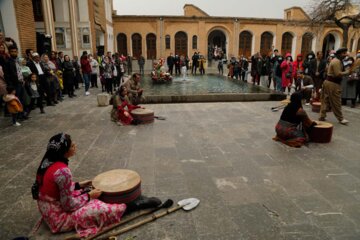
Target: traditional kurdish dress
{"x": 65, "y": 207}
{"x": 294, "y": 125}
{"x": 125, "y": 106}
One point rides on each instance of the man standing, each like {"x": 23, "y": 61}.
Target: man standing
{"x": 141, "y": 62}
{"x": 134, "y": 89}
{"x": 195, "y": 62}
{"x": 170, "y": 63}
{"x": 86, "y": 71}
{"x": 129, "y": 64}
{"x": 320, "y": 70}
{"x": 331, "y": 89}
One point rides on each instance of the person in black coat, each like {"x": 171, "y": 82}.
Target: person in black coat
{"x": 309, "y": 64}
{"x": 320, "y": 73}
{"x": 170, "y": 63}
{"x": 68, "y": 76}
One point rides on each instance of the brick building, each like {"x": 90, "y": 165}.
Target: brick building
{"x": 74, "y": 25}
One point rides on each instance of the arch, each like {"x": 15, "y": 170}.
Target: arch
{"x": 245, "y": 44}
{"x": 194, "y": 42}
{"x": 266, "y": 44}
{"x": 122, "y": 44}
{"x": 181, "y": 43}
{"x": 287, "y": 43}
{"x": 307, "y": 43}
{"x": 136, "y": 45}
{"x": 217, "y": 43}
{"x": 151, "y": 46}
{"x": 331, "y": 42}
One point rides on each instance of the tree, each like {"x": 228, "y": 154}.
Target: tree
{"x": 344, "y": 13}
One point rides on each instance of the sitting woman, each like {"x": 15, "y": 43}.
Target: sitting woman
{"x": 66, "y": 205}
{"x": 122, "y": 108}
{"x": 294, "y": 124}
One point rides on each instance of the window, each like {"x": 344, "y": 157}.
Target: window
{"x": 136, "y": 45}
{"x": 122, "y": 43}
{"x": 245, "y": 44}
{"x": 306, "y": 46}
{"x": 181, "y": 44}
{"x": 85, "y": 38}
{"x": 151, "y": 46}
{"x": 194, "y": 42}
{"x": 167, "y": 41}
{"x": 286, "y": 44}
{"x": 37, "y": 10}
{"x": 60, "y": 37}
{"x": 266, "y": 43}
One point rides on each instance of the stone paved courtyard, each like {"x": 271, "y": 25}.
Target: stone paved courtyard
{"x": 250, "y": 187}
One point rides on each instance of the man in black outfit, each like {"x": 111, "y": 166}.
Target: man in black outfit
{"x": 170, "y": 63}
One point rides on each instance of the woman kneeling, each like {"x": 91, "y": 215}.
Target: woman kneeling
{"x": 294, "y": 125}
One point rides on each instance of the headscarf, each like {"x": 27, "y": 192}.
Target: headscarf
{"x": 289, "y": 113}
{"x": 57, "y": 147}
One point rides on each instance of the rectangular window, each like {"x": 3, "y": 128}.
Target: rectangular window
{"x": 60, "y": 39}
{"x": 37, "y": 10}
{"x": 194, "y": 42}
{"x": 167, "y": 42}
{"x": 86, "y": 39}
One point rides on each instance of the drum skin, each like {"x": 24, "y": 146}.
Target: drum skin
{"x": 118, "y": 185}
{"x": 144, "y": 115}
{"x": 321, "y": 133}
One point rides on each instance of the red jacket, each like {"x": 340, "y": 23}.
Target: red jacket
{"x": 85, "y": 64}
{"x": 298, "y": 65}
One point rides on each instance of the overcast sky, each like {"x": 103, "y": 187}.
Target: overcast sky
{"x": 231, "y": 8}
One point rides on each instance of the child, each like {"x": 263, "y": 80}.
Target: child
{"x": 13, "y": 105}
{"x": 33, "y": 89}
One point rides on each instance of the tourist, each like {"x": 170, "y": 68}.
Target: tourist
{"x": 37, "y": 67}
{"x": 298, "y": 67}
{"x": 108, "y": 74}
{"x": 319, "y": 76}
{"x": 129, "y": 64}
{"x": 195, "y": 63}
{"x": 13, "y": 104}
{"x": 306, "y": 85}
{"x": 265, "y": 71}
{"x": 68, "y": 76}
{"x": 348, "y": 83}
{"x": 49, "y": 74}
{"x": 294, "y": 124}
{"x": 28, "y": 53}
{"x": 309, "y": 64}
{"x": 134, "y": 89}
{"x": 177, "y": 64}
{"x": 170, "y": 63}
{"x": 60, "y": 60}
{"x": 256, "y": 65}
{"x": 244, "y": 65}
{"x": 278, "y": 73}
{"x": 54, "y": 78}
{"x": 202, "y": 62}
{"x": 94, "y": 71}
{"x": 86, "y": 71}
{"x": 287, "y": 73}
{"x": 331, "y": 88}
{"x": 141, "y": 62}
{"x": 220, "y": 67}
{"x": 183, "y": 66}
{"x": 78, "y": 79}
{"x": 33, "y": 89}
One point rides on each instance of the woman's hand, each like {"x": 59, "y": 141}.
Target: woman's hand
{"x": 95, "y": 193}
{"x": 86, "y": 183}
{"x": 126, "y": 114}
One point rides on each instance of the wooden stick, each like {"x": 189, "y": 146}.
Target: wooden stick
{"x": 147, "y": 220}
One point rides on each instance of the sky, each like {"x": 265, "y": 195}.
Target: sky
{"x": 227, "y": 8}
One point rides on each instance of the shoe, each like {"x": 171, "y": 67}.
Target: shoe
{"x": 87, "y": 93}
{"x": 144, "y": 202}
{"x": 307, "y": 104}
{"x": 16, "y": 124}
{"x": 344, "y": 122}
{"x": 322, "y": 119}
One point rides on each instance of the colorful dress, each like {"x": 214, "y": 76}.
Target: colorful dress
{"x": 125, "y": 107}
{"x": 64, "y": 208}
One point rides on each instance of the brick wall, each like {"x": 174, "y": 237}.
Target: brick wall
{"x": 25, "y": 24}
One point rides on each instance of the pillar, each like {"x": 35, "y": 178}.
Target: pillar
{"x": 73, "y": 27}
{"x": 49, "y": 22}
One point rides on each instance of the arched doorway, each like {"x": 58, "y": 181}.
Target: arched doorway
{"x": 151, "y": 46}
{"x": 328, "y": 44}
{"x": 286, "y": 43}
{"x": 136, "y": 45}
{"x": 266, "y": 43}
{"x": 245, "y": 44}
{"x": 122, "y": 44}
{"x": 181, "y": 44}
{"x": 216, "y": 44}
{"x": 307, "y": 40}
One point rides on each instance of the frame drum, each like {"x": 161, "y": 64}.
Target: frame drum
{"x": 144, "y": 115}
{"x": 118, "y": 185}
{"x": 321, "y": 133}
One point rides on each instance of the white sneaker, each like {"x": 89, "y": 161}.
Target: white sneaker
{"x": 87, "y": 93}
{"x": 16, "y": 124}
{"x": 344, "y": 122}
{"x": 307, "y": 104}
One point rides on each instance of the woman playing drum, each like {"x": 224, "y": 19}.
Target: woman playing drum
{"x": 66, "y": 205}
{"x": 294, "y": 124}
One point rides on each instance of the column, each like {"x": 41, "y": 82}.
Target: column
{"x": 236, "y": 38}
{"x": 49, "y": 22}
{"x": 73, "y": 27}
